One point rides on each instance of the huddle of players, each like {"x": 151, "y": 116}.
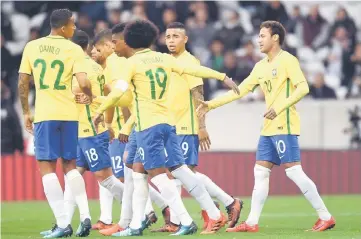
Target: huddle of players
{"x": 154, "y": 112}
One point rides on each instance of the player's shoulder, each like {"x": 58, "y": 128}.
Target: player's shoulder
{"x": 187, "y": 56}
{"x": 95, "y": 66}
{"x": 288, "y": 57}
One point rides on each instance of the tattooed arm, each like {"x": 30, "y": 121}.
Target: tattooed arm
{"x": 204, "y": 140}
{"x": 23, "y": 87}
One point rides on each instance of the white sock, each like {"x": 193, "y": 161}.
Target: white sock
{"x": 114, "y": 186}
{"x": 106, "y": 205}
{"x": 157, "y": 198}
{"x": 55, "y": 197}
{"x": 259, "y": 194}
{"x": 173, "y": 216}
{"x": 140, "y": 197}
{"x": 309, "y": 189}
{"x": 77, "y": 186}
{"x": 179, "y": 185}
{"x": 148, "y": 206}
{"x": 172, "y": 198}
{"x": 69, "y": 201}
{"x": 127, "y": 211}
{"x": 196, "y": 188}
{"x": 214, "y": 190}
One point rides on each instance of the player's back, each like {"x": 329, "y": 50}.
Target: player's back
{"x": 51, "y": 60}
{"x": 151, "y": 73}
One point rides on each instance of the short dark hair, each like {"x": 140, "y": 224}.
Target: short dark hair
{"x": 102, "y": 36}
{"x": 140, "y": 34}
{"x": 119, "y": 28}
{"x": 60, "y": 17}
{"x": 81, "y": 38}
{"x": 177, "y": 25}
{"x": 276, "y": 28}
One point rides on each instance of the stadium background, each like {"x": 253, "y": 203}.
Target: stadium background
{"x": 325, "y": 36}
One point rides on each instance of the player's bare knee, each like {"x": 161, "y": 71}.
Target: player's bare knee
{"x": 121, "y": 179}
{"x": 193, "y": 168}
{"x": 81, "y": 170}
{"x": 265, "y": 164}
{"x": 139, "y": 168}
{"x": 103, "y": 174}
{"x": 155, "y": 172}
{"x": 130, "y": 166}
{"x": 68, "y": 165}
{"x": 169, "y": 174}
{"x": 171, "y": 169}
{"x": 46, "y": 167}
{"x": 289, "y": 165}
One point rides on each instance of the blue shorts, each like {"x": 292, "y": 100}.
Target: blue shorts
{"x": 94, "y": 152}
{"x": 55, "y": 139}
{"x": 116, "y": 150}
{"x": 189, "y": 145}
{"x": 151, "y": 144}
{"x": 278, "y": 149}
{"x": 131, "y": 148}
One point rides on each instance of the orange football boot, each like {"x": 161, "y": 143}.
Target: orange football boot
{"x": 322, "y": 225}
{"x": 168, "y": 227}
{"x": 215, "y": 225}
{"x": 101, "y": 225}
{"x": 206, "y": 217}
{"x": 110, "y": 231}
{"x": 234, "y": 212}
{"x": 243, "y": 227}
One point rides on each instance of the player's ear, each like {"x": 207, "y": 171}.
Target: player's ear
{"x": 275, "y": 37}
{"x": 185, "y": 39}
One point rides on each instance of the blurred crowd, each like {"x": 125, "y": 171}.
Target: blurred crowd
{"x": 325, "y": 36}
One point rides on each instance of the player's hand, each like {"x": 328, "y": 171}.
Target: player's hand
{"x": 81, "y": 98}
{"x": 204, "y": 140}
{"x": 97, "y": 119}
{"x": 202, "y": 109}
{"x": 123, "y": 138}
{"x": 28, "y": 121}
{"x": 270, "y": 114}
{"x": 231, "y": 84}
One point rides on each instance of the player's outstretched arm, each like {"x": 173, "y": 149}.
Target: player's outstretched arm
{"x": 202, "y": 72}
{"x": 248, "y": 85}
{"x": 84, "y": 84}
{"x": 23, "y": 87}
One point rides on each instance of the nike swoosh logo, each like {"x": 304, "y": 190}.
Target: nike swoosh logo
{"x": 281, "y": 156}
{"x": 93, "y": 165}
{"x": 259, "y": 78}
{"x": 117, "y": 171}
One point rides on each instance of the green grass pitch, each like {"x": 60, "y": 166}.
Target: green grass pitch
{"x": 283, "y": 217}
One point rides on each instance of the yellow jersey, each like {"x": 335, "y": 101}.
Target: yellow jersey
{"x": 150, "y": 74}
{"x": 113, "y": 71}
{"x": 53, "y": 60}
{"x": 181, "y": 100}
{"x": 86, "y": 112}
{"x": 278, "y": 79}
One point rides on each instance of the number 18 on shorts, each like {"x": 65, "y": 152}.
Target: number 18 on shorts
{"x": 278, "y": 149}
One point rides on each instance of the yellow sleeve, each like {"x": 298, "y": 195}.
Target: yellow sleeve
{"x": 79, "y": 60}
{"x": 192, "y": 80}
{"x": 248, "y": 85}
{"x": 128, "y": 126}
{"x": 25, "y": 66}
{"x": 294, "y": 71}
{"x": 194, "y": 70}
{"x": 118, "y": 90}
{"x": 299, "y": 81}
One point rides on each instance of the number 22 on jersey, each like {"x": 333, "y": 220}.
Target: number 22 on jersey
{"x": 54, "y": 64}
{"x": 160, "y": 79}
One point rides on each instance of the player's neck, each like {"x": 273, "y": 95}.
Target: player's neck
{"x": 273, "y": 53}
{"x": 176, "y": 54}
{"x": 55, "y": 32}
{"x": 138, "y": 50}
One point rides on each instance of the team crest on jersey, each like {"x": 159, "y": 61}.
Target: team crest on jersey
{"x": 274, "y": 73}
